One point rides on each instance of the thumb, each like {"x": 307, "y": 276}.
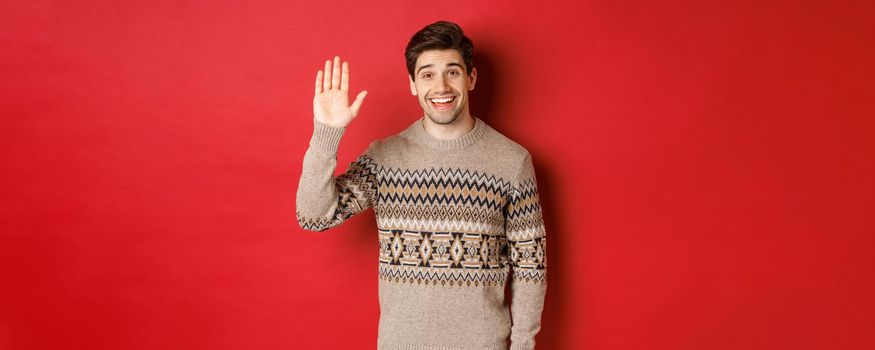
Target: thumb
{"x": 358, "y": 102}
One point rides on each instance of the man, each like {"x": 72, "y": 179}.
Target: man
{"x": 456, "y": 205}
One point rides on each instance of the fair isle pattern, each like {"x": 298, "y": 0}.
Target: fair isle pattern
{"x": 442, "y": 249}
{"x": 446, "y": 222}
{"x": 453, "y": 221}
{"x": 445, "y": 200}
{"x": 523, "y": 212}
{"x": 525, "y": 230}
{"x": 529, "y": 260}
{"x": 355, "y": 192}
{"x": 457, "y": 187}
{"x": 452, "y": 277}
{"x": 444, "y": 218}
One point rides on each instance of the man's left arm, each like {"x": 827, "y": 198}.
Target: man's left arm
{"x": 524, "y": 227}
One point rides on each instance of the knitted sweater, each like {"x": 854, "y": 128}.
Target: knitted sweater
{"x": 455, "y": 219}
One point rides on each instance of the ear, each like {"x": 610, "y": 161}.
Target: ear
{"x": 412, "y": 85}
{"x": 472, "y": 78}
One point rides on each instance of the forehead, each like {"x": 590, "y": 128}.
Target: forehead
{"x": 439, "y": 58}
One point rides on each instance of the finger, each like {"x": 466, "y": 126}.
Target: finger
{"x": 344, "y": 77}
{"x": 335, "y": 74}
{"x": 354, "y": 108}
{"x": 326, "y": 83}
{"x": 319, "y": 82}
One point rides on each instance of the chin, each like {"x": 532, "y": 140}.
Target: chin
{"x": 443, "y": 119}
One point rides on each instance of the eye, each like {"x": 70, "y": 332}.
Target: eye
{"x": 426, "y": 75}
{"x": 454, "y": 73}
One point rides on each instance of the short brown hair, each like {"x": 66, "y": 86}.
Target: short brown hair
{"x": 440, "y": 35}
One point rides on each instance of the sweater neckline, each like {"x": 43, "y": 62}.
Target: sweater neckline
{"x": 422, "y": 137}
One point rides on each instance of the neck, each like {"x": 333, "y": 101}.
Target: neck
{"x": 461, "y": 126}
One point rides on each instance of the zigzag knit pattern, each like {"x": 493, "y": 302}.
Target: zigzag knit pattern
{"x": 355, "y": 190}
{"x": 428, "y": 200}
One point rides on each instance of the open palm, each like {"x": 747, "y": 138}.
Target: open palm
{"x": 331, "y": 101}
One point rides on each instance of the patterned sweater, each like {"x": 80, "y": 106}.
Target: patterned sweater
{"x": 455, "y": 219}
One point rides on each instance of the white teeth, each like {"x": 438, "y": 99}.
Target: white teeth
{"x": 442, "y": 100}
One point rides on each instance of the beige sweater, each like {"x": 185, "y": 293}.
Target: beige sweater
{"x": 455, "y": 219}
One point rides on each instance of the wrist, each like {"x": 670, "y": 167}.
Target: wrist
{"x": 326, "y": 137}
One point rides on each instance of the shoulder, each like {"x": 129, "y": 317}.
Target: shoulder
{"x": 392, "y": 144}
{"x": 500, "y": 144}
{"x": 388, "y": 145}
{"x": 516, "y": 157}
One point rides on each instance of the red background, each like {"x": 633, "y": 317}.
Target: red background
{"x": 705, "y": 168}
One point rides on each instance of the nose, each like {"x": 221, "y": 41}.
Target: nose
{"x": 442, "y": 85}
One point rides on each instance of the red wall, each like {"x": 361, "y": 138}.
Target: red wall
{"x": 706, "y": 169}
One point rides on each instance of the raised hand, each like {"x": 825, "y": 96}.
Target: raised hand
{"x": 331, "y": 102}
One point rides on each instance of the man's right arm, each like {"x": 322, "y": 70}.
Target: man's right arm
{"x": 324, "y": 201}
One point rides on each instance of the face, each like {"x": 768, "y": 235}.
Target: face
{"x": 442, "y": 85}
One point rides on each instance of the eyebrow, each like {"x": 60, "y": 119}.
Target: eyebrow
{"x": 431, "y": 65}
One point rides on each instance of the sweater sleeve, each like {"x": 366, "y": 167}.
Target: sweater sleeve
{"x": 524, "y": 226}
{"x": 324, "y": 201}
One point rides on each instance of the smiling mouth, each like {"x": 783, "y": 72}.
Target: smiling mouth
{"x": 442, "y": 102}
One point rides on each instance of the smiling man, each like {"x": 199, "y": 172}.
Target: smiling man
{"x": 456, "y": 203}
